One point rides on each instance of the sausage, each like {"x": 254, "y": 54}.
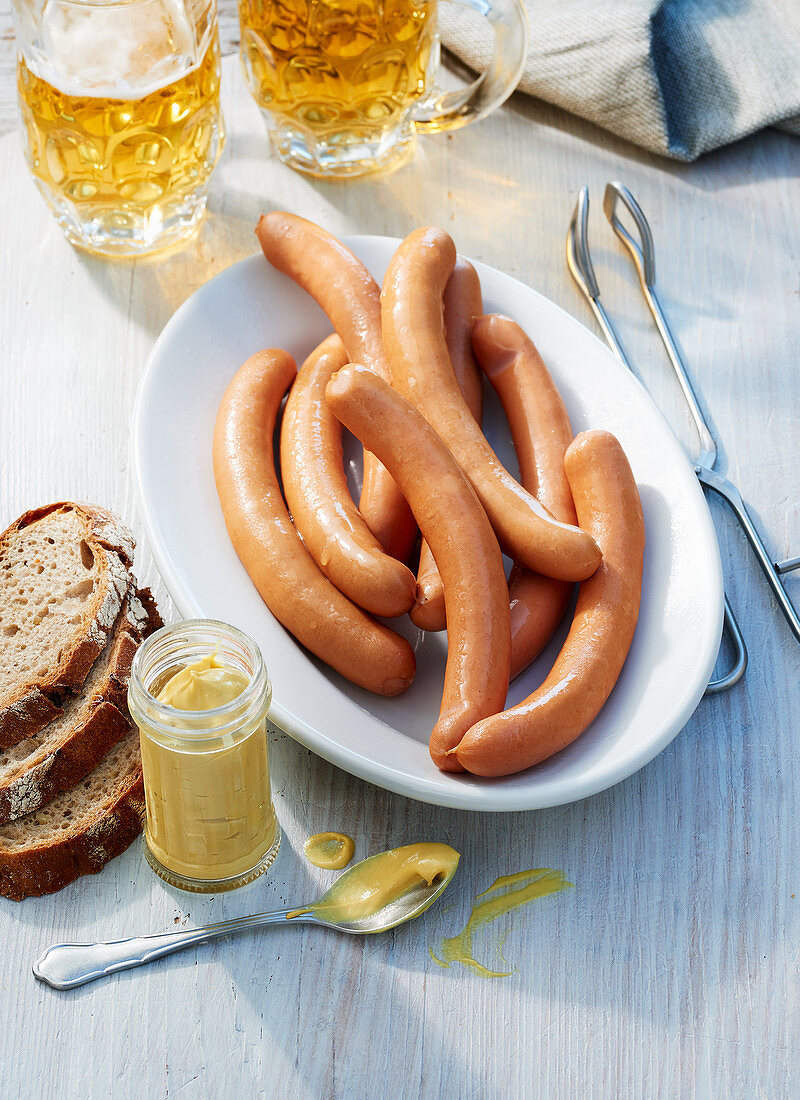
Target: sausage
{"x": 413, "y": 334}
{"x": 286, "y": 576}
{"x": 591, "y": 659}
{"x": 541, "y": 432}
{"x": 462, "y": 307}
{"x": 462, "y": 541}
{"x": 345, "y": 290}
{"x": 428, "y": 611}
{"x": 322, "y": 509}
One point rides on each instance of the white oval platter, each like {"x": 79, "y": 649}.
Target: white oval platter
{"x": 250, "y": 306}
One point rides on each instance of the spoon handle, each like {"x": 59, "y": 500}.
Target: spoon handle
{"x": 66, "y": 965}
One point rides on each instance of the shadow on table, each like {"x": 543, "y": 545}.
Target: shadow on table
{"x": 657, "y": 867}
{"x": 760, "y": 156}
{"x": 475, "y": 180}
{"x": 150, "y": 289}
{"x": 662, "y": 865}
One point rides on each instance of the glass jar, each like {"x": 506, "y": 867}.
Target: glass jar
{"x": 210, "y": 825}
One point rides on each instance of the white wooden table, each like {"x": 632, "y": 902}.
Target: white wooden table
{"x": 672, "y": 968}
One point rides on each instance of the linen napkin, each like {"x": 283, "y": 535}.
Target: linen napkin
{"x": 679, "y": 77}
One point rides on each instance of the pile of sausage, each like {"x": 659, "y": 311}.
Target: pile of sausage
{"x": 402, "y": 373}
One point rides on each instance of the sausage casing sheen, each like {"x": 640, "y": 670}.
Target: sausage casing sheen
{"x": 287, "y": 577}
{"x": 345, "y": 290}
{"x": 319, "y": 500}
{"x": 463, "y": 305}
{"x": 461, "y": 538}
{"x": 591, "y": 659}
{"x": 541, "y": 432}
{"x": 414, "y": 340}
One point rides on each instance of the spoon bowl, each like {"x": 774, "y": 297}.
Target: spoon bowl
{"x": 405, "y": 907}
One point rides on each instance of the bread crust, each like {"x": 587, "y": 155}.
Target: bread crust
{"x": 43, "y": 864}
{"x": 152, "y": 620}
{"x": 115, "y": 824}
{"x": 38, "y": 704}
{"x": 108, "y": 529}
{"x": 27, "y": 716}
{"x": 102, "y": 723}
{"x": 44, "y": 870}
{"x": 65, "y": 766}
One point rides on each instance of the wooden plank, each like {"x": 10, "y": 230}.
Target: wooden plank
{"x": 671, "y": 969}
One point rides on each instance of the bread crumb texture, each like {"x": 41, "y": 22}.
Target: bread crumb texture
{"x": 58, "y": 586}
{"x": 82, "y": 810}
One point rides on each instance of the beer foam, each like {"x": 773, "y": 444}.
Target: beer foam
{"x": 117, "y": 50}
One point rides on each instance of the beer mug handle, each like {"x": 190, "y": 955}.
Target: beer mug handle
{"x": 450, "y": 110}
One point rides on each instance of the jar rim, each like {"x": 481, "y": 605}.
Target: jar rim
{"x": 160, "y": 712}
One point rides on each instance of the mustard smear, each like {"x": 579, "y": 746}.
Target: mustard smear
{"x": 506, "y": 893}
{"x": 331, "y": 851}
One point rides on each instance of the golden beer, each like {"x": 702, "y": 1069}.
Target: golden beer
{"x": 338, "y": 77}
{"x": 125, "y": 172}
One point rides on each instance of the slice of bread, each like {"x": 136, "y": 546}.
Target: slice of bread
{"x": 79, "y": 831}
{"x": 64, "y": 572}
{"x": 57, "y": 757}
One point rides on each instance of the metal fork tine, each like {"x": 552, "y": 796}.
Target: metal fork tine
{"x": 644, "y": 259}
{"x": 578, "y": 256}
{"x": 579, "y": 261}
{"x": 787, "y": 566}
{"x": 730, "y": 627}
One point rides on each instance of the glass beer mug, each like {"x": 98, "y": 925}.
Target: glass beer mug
{"x": 346, "y": 84}
{"x": 121, "y": 116}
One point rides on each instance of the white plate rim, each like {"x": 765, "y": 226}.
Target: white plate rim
{"x": 380, "y": 773}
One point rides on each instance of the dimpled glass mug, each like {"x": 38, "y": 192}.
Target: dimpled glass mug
{"x": 346, "y": 84}
{"x": 121, "y": 116}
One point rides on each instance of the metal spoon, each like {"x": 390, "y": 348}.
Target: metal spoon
{"x": 66, "y": 965}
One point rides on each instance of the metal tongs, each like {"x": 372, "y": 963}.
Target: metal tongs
{"x": 643, "y": 255}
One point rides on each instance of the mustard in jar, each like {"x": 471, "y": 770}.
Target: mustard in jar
{"x": 199, "y": 693}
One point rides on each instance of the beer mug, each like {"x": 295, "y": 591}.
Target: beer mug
{"x": 121, "y": 116}
{"x": 347, "y": 84}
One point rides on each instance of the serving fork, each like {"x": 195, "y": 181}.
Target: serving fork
{"x": 642, "y": 252}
